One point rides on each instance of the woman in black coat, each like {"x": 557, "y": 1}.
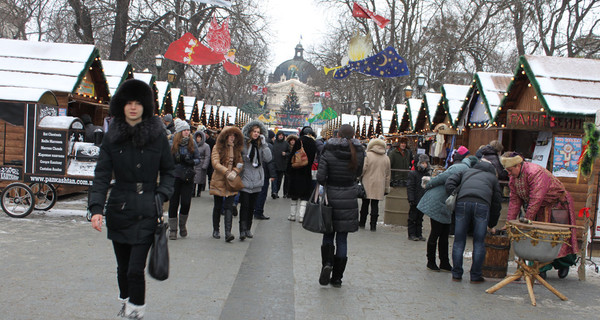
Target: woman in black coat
{"x": 134, "y": 150}
{"x": 340, "y": 165}
{"x": 300, "y": 186}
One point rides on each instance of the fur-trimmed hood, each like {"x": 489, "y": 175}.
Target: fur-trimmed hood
{"x": 376, "y": 145}
{"x": 222, "y": 138}
{"x": 141, "y": 134}
{"x": 132, "y": 90}
{"x": 291, "y": 137}
{"x": 199, "y": 133}
{"x": 252, "y": 123}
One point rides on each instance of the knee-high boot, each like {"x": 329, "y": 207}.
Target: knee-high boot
{"x": 364, "y": 212}
{"x": 444, "y": 259}
{"x": 374, "y": 217}
{"x": 339, "y": 266}
{"x": 293, "y": 210}
{"x": 327, "y": 251}
{"x": 302, "y": 210}
{"x": 431, "y": 264}
{"x": 228, "y": 222}
{"x": 172, "y": 228}
{"x": 242, "y": 230}
{"x": 249, "y": 226}
{"x": 182, "y": 228}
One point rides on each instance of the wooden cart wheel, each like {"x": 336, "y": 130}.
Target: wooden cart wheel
{"x": 17, "y": 200}
{"x": 44, "y": 194}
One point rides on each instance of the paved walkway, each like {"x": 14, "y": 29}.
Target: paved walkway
{"x": 54, "y": 266}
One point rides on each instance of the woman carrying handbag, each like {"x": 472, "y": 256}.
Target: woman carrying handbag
{"x": 137, "y": 142}
{"x": 340, "y": 165}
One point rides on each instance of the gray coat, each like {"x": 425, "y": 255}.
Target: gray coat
{"x": 254, "y": 178}
{"x": 433, "y": 202}
{"x": 200, "y": 168}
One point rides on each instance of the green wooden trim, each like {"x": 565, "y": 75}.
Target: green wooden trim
{"x": 161, "y": 107}
{"x": 485, "y": 100}
{"x": 95, "y": 54}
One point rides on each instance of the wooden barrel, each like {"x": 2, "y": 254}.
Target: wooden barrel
{"x": 497, "y": 248}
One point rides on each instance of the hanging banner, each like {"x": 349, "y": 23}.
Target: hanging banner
{"x": 566, "y": 153}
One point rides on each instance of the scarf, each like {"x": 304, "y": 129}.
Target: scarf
{"x": 184, "y": 141}
{"x": 254, "y": 154}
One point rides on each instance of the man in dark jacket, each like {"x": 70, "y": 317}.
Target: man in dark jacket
{"x": 280, "y": 155}
{"x": 478, "y": 201}
{"x": 400, "y": 158}
{"x": 414, "y": 192}
{"x": 491, "y": 152}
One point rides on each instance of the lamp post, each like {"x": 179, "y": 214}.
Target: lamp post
{"x": 158, "y": 62}
{"x": 408, "y": 90}
{"x": 420, "y": 84}
{"x": 172, "y": 76}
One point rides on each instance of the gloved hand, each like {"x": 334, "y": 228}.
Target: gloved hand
{"x": 188, "y": 159}
{"x": 231, "y": 175}
{"x": 263, "y": 141}
{"x": 239, "y": 165}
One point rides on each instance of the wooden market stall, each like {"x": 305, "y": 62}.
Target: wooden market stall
{"x": 189, "y": 107}
{"x": 546, "y": 104}
{"x": 476, "y": 116}
{"x": 177, "y": 101}
{"x": 452, "y": 99}
{"x": 164, "y": 102}
{"x": 150, "y": 79}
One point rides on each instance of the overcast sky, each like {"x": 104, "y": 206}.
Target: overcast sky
{"x": 290, "y": 20}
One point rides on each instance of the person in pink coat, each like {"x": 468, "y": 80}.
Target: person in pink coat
{"x": 539, "y": 191}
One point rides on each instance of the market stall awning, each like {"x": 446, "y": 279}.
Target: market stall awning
{"x": 453, "y": 97}
{"x": 116, "y": 72}
{"x": 483, "y": 99}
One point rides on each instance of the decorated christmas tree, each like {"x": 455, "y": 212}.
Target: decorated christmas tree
{"x": 203, "y": 116}
{"x": 394, "y": 124}
{"x": 371, "y": 129}
{"x": 290, "y": 105}
{"x": 379, "y": 127}
{"x": 211, "y": 119}
{"x": 363, "y": 133}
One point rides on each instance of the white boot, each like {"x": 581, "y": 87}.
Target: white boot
{"x": 301, "y": 210}
{"x": 123, "y": 303}
{"x": 133, "y": 311}
{"x": 293, "y": 210}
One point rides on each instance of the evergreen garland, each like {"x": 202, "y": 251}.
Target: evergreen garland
{"x": 591, "y": 151}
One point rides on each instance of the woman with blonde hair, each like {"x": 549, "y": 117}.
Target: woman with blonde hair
{"x": 226, "y": 159}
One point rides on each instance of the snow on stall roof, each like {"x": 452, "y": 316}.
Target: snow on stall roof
{"x": 494, "y": 86}
{"x": 455, "y": 96}
{"x": 21, "y": 94}
{"x": 349, "y": 118}
{"x": 161, "y": 87}
{"x": 566, "y": 68}
{"x": 43, "y": 65}
{"x": 57, "y": 122}
{"x": 175, "y": 93}
{"x": 229, "y": 110}
{"x": 143, "y": 76}
{"x": 573, "y": 88}
{"x": 114, "y": 72}
{"x": 432, "y": 99}
{"x": 572, "y": 105}
{"x": 415, "y": 106}
{"x": 188, "y": 106}
{"x": 386, "y": 119}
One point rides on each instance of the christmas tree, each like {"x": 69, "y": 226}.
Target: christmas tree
{"x": 203, "y": 116}
{"x": 378, "y": 129}
{"x": 394, "y": 124}
{"x": 363, "y": 133}
{"x": 211, "y": 119}
{"x": 290, "y": 105}
{"x": 217, "y": 120}
{"x": 371, "y": 129}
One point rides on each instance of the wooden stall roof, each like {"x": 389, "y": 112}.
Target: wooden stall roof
{"x": 116, "y": 72}
{"x": 483, "y": 99}
{"x": 453, "y": 97}
{"x": 567, "y": 87}
{"x": 413, "y": 108}
{"x": 177, "y": 101}
{"x": 402, "y": 118}
{"x": 163, "y": 97}
{"x": 28, "y": 95}
{"x": 59, "y": 67}
{"x": 386, "y": 119}
{"x": 189, "y": 106}
{"x": 431, "y": 101}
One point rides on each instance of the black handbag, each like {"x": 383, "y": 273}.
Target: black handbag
{"x": 189, "y": 174}
{"x": 360, "y": 190}
{"x": 319, "y": 215}
{"x": 158, "y": 264}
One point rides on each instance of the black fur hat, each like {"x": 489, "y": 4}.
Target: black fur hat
{"x": 133, "y": 90}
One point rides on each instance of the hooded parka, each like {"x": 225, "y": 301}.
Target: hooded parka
{"x": 221, "y": 164}
{"x": 253, "y": 176}
{"x": 204, "y": 151}
{"x": 376, "y": 170}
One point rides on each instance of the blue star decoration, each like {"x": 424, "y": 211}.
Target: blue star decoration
{"x": 387, "y": 64}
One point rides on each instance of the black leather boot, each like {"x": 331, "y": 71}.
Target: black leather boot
{"x": 242, "y": 230}
{"x": 374, "y": 218}
{"x": 364, "y": 212}
{"x": 339, "y": 266}
{"x": 249, "y": 226}
{"x": 228, "y": 222}
{"x": 327, "y": 251}
{"x": 431, "y": 265}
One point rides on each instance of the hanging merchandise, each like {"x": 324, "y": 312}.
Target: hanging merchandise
{"x": 385, "y": 64}
{"x": 189, "y": 50}
{"x": 361, "y": 12}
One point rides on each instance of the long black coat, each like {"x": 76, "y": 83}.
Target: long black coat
{"x": 340, "y": 181}
{"x": 300, "y": 185}
{"x": 134, "y": 155}
{"x": 279, "y": 159}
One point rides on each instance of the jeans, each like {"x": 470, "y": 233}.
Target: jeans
{"x": 259, "y": 207}
{"x": 341, "y": 242}
{"x": 276, "y": 184}
{"x": 182, "y": 193}
{"x": 131, "y": 262}
{"x": 465, "y": 213}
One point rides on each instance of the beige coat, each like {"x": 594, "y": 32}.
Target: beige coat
{"x": 376, "y": 170}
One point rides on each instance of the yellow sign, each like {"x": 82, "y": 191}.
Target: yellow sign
{"x": 86, "y": 87}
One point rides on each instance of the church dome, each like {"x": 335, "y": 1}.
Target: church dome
{"x": 296, "y": 68}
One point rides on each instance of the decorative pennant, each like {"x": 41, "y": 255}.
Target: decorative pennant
{"x": 189, "y": 50}
{"x": 361, "y": 12}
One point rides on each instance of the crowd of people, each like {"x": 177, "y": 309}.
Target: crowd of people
{"x": 152, "y": 158}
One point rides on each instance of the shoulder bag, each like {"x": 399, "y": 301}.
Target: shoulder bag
{"x": 319, "y": 215}
{"x": 299, "y": 159}
{"x": 158, "y": 264}
{"x": 451, "y": 200}
{"x": 236, "y": 184}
